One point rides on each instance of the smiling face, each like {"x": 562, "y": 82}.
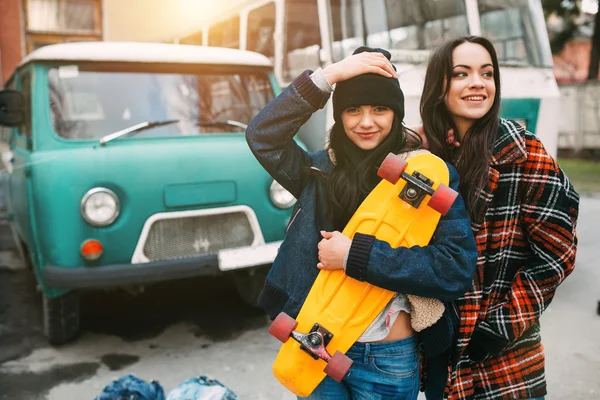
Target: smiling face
{"x": 472, "y": 87}
{"x": 367, "y": 126}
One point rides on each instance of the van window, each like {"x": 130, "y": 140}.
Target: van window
{"x": 92, "y": 104}
{"x": 6, "y": 130}
{"x": 348, "y": 28}
{"x": 225, "y": 33}
{"x": 261, "y": 27}
{"x": 424, "y": 24}
{"x": 511, "y": 26}
{"x": 194, "y": 39}
{"x": 25, "y": 129}
{"x": 303, "y": 38}
{"x": 395, "y": 24}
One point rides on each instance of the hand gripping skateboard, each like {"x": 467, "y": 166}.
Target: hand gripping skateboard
{"x": 403, "y": 210}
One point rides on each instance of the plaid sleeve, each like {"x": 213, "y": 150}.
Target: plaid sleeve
{"x": 549, "y": 215}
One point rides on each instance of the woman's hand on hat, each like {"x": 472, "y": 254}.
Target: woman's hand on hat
{"x": 332, "y": 250}
{"x": 358, "y": 64}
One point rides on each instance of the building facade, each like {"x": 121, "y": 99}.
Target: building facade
{"x": 27, "y": 25}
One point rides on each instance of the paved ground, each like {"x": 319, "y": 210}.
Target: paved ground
{"x": 571, "y": 326}
{"x": 175, "y": 331}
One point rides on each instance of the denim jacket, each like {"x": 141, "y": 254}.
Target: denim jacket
{"x": 443, "y": 270}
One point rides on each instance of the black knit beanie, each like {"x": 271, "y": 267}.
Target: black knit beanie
{"x": 368, "y": 89}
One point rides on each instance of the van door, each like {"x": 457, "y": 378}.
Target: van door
{"x": 18, "y": 181}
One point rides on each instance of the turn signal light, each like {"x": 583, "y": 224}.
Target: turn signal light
{"x": 91, "y": 249}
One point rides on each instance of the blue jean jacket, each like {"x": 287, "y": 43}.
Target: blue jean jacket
{"x": 443, "y": 270}
{"x": 130, "y": 387}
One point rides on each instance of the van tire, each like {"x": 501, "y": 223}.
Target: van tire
{"x": 250, "y": 282}
{"x": 61, "y": 317}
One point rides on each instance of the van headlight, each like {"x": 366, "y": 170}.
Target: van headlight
{"x": 100, "y": 206}
{"x": 281, "y": 197}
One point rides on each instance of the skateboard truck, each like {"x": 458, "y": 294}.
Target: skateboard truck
{"x": 314, "y": 342}
{"x": 417, "y": 186}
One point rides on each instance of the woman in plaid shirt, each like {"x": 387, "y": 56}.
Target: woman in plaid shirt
{"x": 523, "y": 212}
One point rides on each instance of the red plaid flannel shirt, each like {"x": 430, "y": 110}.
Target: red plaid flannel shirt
{"x": 525, "y": 233}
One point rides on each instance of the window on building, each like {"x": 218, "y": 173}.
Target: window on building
{"x": 80, "y": 15}
{"x": 62, "y": 16}
{"x": 59, "y": 21}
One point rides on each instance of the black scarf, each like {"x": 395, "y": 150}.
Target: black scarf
{"x": 360, "y": 166}
{"x": 357, "y": 159}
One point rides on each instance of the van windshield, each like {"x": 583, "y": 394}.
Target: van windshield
{"x": 91, "y": 104}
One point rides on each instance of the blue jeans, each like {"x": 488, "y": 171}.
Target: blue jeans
{"x": 381, "y": 370}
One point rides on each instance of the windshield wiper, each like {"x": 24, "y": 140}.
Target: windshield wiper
{"x": 135, "y": 128}
{"x": 227, "y": 122}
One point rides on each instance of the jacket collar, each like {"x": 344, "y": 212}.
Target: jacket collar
{"x": 509, "y": 147}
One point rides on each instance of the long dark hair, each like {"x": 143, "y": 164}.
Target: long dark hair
{"x": 355, "y": 171}
{"x": 473, "y": 156}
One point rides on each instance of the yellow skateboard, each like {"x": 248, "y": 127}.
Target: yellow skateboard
{"x": 338, "y": 309}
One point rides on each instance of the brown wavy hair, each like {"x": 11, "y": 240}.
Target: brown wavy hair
{"x": 473, "y": 156}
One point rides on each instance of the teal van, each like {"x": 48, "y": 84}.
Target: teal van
{"x": 128, "y": 165}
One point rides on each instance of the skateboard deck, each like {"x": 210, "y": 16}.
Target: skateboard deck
{"x": 338, "y": 308}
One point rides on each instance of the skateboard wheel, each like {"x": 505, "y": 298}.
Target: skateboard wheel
{"x": 338, "y": 366}
{"x": 391, "y": 168}
{"x": 282, "y": 327}
{"x": 442, "y": 199}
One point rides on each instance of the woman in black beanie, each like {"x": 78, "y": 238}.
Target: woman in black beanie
{"x": 368, "y": 109}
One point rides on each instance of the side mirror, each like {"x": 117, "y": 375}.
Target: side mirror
{"x": 12, "y": 108}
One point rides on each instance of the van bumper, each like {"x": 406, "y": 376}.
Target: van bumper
{"x": 85, "y": 277}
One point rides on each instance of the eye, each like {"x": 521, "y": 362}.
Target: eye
{"x": 489, "y": 74}
{"x": 351, "y": 110}
{"x": 459, "y": 74}
{"x": 381, "y": 109}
